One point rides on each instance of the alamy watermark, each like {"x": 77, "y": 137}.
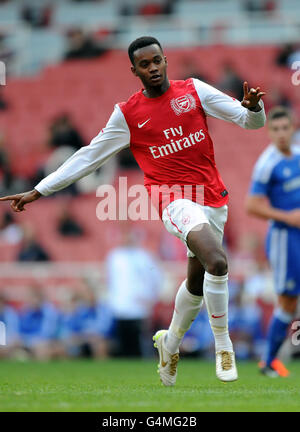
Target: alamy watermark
{"x": 2, "y": 333}
{"x": 296, "y": 75}
{"x": 2, "y": 73}
{"x": 296, "y": 334}
{"x": 132, "y": 203}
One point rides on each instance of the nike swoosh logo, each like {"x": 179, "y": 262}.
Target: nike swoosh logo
{"x": 140, "y": 125}
{"x": 217, "y": 316}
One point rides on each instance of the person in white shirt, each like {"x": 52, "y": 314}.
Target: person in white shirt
{"x": 134, "y": 280}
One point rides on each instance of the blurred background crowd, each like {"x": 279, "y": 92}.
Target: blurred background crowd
{"x": 71, "y": 285}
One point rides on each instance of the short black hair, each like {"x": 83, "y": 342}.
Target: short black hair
{"x": 141, "y": 42}
{"x": 279, "y": 112}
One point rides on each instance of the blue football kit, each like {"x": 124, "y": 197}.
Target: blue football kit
{"x": 277, "y": 177}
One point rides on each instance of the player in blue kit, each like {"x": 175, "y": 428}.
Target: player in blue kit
{"x": 275, "y": 195}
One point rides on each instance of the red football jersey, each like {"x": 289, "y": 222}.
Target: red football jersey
{"x": 169, "y": 138}
{"x": 170, "y": 141}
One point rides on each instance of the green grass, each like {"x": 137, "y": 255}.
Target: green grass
{"x": 115, "y": 385}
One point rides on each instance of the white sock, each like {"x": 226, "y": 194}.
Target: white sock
{"x": 215, "y": 290}
{"x": 187, "y": 307}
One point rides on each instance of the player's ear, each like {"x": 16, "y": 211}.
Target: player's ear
{"x": 166, "y": 61}
{"x": 133, "y": 70}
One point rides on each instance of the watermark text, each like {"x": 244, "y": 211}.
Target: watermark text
{"x": 2, "y": 333}
{"x": 132, "y": 203}
{"x": 296, "y": 74}
{"x": 2, "y": 73}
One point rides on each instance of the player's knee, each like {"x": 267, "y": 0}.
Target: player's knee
{"x": 217, "y": 265}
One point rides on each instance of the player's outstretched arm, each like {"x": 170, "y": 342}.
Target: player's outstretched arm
{"x": 252, "y": 97}
{"x": 112, "y": 139}
{"x": 248, "y": 114}
{"x": 18, "y": 201}
{"x": 259, "y": 206}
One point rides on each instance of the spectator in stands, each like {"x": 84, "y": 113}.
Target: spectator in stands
{"x": 126, "y": 9}
{"x": 37, "y": 15}
{"x": 245, "y": 324}
{"x": 31, "y": 249}
{"x": 252, "y": 5}
{"x": 260, "y": 5}
{"x": 230, "y": 82}
{"x": 65, "y": 139}
{"x": 39, "y": 326}
{"x": 270, "y": 6}
{"x": 276, "y": 97}
{"x": 133, "y": 283}
{"x": 8, "y": 181}
{"x": 98, "y": 326}
{"x": 3, "y": 102}
{"x": 294, "y": 57}
{"x": 3, "y": 153}
{"x": 9, "y": 317}
{"x": 168, "y": 7}
{"x": 259, "y": 283}
{"x": 86, "y": 326}
{"x": 6, "y": 53}
{"x": 67, "y": 225}
{"x": 82, "y": 46}
{"x": 63, "y": 133}
{"x": 191, "y": 69}
{"x": 243, "y": 258}
{"x": 74, "y": 314}
{"x": 10, "y": 231}
{"x": 150, "y": 9}
{"x": 163, "y": 7}
{"x": 82, "y": 1}
{"x": 296, "y": 137}
{"x": 287, "y": 55}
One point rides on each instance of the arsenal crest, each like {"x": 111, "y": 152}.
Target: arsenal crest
{"x": 183, "y": 104}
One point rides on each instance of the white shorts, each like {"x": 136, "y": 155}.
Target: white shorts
{"x": 182, "y": 215}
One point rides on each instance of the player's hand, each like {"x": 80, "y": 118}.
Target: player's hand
{"x": 293, "y": 218}
{"x": 252, "y": 97}
{"x": 18, "y": 201}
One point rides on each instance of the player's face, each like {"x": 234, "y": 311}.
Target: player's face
{"x": 281, "y": 131}
{"x": 150, "y": 65}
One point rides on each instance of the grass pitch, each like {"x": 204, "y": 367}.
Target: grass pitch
{"x": 131, "y": 386}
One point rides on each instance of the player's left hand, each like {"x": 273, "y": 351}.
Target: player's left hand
{"x": 252, "y": 97}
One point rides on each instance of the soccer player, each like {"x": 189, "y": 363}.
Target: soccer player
{"x": 275, "y": 196}
{"x": 165, "y": 126}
